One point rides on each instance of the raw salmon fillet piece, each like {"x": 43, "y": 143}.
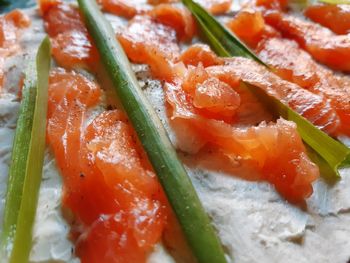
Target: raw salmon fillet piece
{"x": 200, "y": 56}
{"x": 295, "y": 65}
{"x": 215, "y": 7}
{"x": 325, "y": 46}
{"x": 335, "y": 17}
{"x": 11, "y": 25}
{"x": 206, "y": 111}
{"x": 210, "y": 96}
{"x": 152, "y": 43}
{"x": 275, "y": 150}
{"x": 125, "y": 8}
{"x": 313, "y": 107}
{"x": 178, "y": 18}
{"x": 109, "y": 186}
{"x": 200, "y": 53}
{"x": 273, "y": 4}
{"x": 250, "y": 27}
{"x": 71, "y": 43}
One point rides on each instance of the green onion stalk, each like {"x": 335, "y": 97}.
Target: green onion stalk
{"x": 177, "y": 185}
{"x": 27, "y": 161}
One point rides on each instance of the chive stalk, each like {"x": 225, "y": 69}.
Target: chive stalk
{"x": 328, "y": 153}
{"x": 336, "y": 2}
{"x": 176, "y": 183}
{"x": 27, "y": 161}
{"x": 18, "y": 165}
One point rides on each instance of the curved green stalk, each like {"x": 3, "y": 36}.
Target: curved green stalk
{"x": 176, "y": 183}
{"x": 27, "y": 161}
{"x": 20, "y": 151}
{"x": 336, "y": 2}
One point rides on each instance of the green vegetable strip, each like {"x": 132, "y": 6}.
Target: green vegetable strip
{"x": 26, "y": 216}
{"x": 336, "y": 2}
{"x": 329, "y": 154}
{"x": 27, "y": 161}
{"x": 172, "y": 175}
{"x": 19, "y": 159}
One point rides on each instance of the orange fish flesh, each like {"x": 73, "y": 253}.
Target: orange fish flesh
{"x": 146, "y": 41}
{"x": 109, "y": 186}
{"x": 259, "y": 147}
{"x": 10, "y": 29}
{"x": 71, "y": 43}
{"x": 125, "y": 8}
{"x": 335, "y": 17}
{"x": 325, "y": 46}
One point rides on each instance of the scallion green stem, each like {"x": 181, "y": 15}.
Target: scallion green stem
{"x": 176, "y": 183}
{"x": 336, "y": 2}
{"x": 27, "y": 161}
{"x": 18, "y": 165}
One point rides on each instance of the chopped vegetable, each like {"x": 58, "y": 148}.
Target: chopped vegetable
{"x": 27, "y": 161}
{"x": 328, "y": 153}
{"x": 172, "y": 175}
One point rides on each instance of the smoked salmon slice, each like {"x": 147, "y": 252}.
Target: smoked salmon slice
{"x": 178, "y": 18}
{"x": 128, "y": 234}
{"x": 325, "y": 46}
{"x": 71, "y": 43}
{"x": 148, "y": 38}
{"x": 153, "y": 39}
{"x": 109, "y": 185}
{"x": 210, "y": 96}
{"x": 11, "y": 25}
{"x": 200, "y": 53}
{"x": 276, "y": 150}
{"x": 313, "y": 107}
{"x": 273, "y": 4}
{"x": 215, "y": 7}
{"x": 335, "y": 17}
{"x": 125, "y": 8}
{"x": 146, "y": 41}
{"x": 247, "y": 109}
{"x": 250, "y": 27}
{"x": 295, "y": 65}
